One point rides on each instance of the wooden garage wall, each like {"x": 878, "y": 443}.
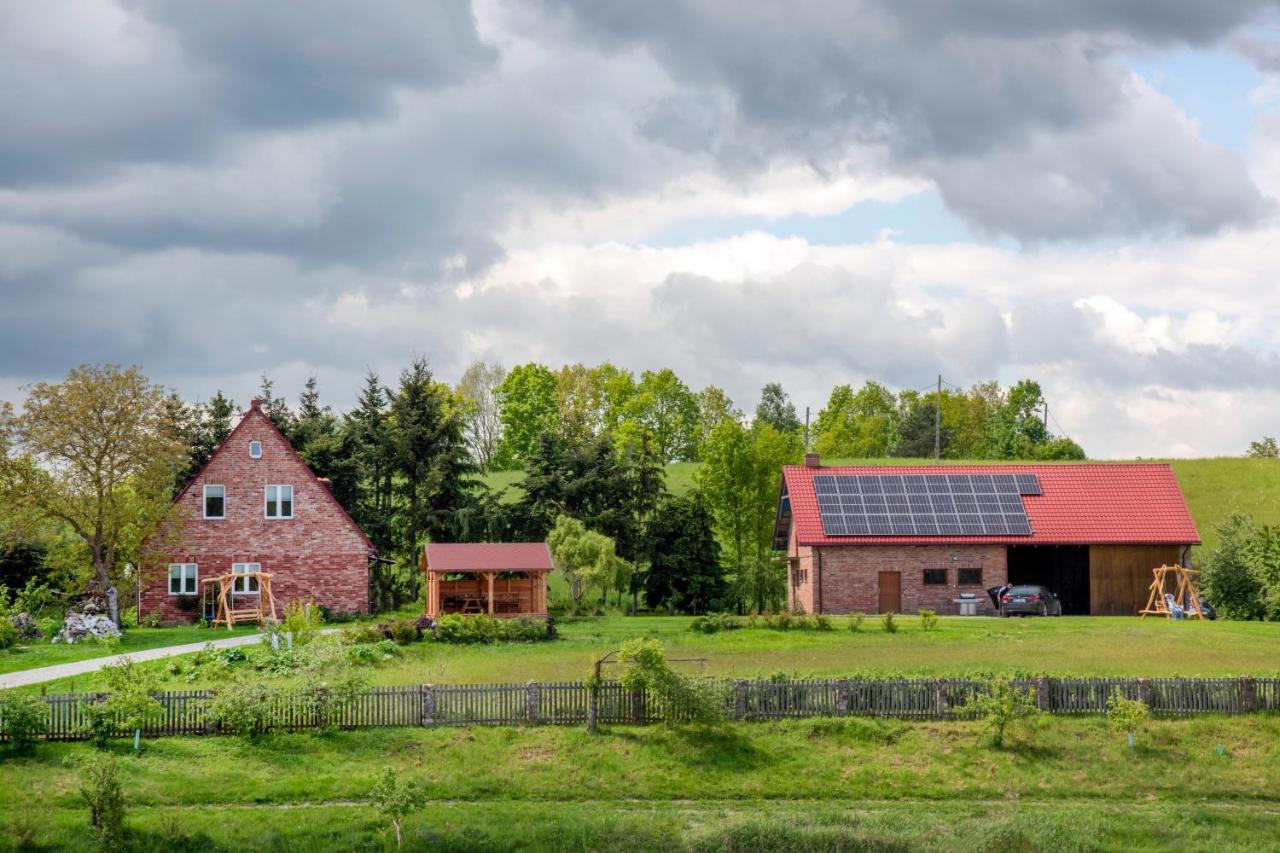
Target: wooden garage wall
{"x": 1120, "y": 576}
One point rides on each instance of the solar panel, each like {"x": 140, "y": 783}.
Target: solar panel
{"x": 924, "y": 504}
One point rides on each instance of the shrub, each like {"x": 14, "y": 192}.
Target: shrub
{"x": 103, "y": 794}
{"x": 358, "y": 633}
{"x": 890, "y": 622}
{"x": 8, "y": 632}
{"x": 242, "y": 708}
{"x": 928, "y": 620}
{"x": 1126, "y": 715}
{"x": 233, "y": 655}
{"x": 678, "y": 697}
{"x": 187, "y": 603}
{"x": 855, "y": 621}
{"x": 129, "y": 617}
{"x": 455, "y": 628}
{"x": 713, "y": 623}
{"x": 781, "y": 621}
{"x": 822, "y": 622}
{"x": 372, "y": 652}
{"x": 99, "y": 723}
{"x": 401, "y": 631}
{"x": 130, "y": 701}
{"x": 303, "y": 620}
{"x": 999, "y": 706}
{"x": 23, "y": 719}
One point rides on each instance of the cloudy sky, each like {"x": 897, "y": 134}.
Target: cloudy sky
{"x": 743, "y": 190}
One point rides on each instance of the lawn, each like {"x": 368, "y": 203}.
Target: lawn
{"x": 1214, "y": 488}
{"x": 1066, "y": 646}
{"x": 45, "y": 653}
{"x": 1064, "y": 784}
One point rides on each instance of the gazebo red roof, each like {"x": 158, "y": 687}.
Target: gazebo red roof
{"x": 1082, "y": 504}
{"x": 489, "y": 557}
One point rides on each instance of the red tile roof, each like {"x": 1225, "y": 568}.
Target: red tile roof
{"x": 1082, "y": 504}
{"x": 488, "y": 556}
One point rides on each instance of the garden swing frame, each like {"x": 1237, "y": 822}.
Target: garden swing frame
{"x": 229, "y": 615}
{"x": 1184, "y": 589}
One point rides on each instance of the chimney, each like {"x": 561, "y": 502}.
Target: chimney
{"x": 256, "y": 405}
{"x": 812, "y": 460}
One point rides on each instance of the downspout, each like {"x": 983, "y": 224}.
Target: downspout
{"x": 817, "y": 564}
{"x": 1185, "y": 559}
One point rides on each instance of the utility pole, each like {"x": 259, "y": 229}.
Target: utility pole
{"x": 806, "y": 429}
{"x": 1046, "y": 417}
{"x": 937, "y": 424}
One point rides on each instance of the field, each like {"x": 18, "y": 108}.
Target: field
{"x": 974, "y": 645}
{"x": 1214, "y": 488}
{"x": 1062, "y": 784}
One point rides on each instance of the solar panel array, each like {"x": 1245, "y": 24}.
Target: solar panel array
{"x": 924, "y": 504}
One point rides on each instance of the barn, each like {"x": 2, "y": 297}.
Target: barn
{"x": 902, "y": 539}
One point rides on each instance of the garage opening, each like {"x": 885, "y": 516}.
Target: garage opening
{"x": 1062, "y": 568}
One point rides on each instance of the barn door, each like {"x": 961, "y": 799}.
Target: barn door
{"x": 891, "y": 592}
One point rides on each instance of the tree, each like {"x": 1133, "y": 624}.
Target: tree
{"x": 367, "y": 430}
{"x": 586, "y": 481}
{"x": 1264, "y": 448}
{"x": 776, "y": 410}
{"x": 1228, "y": 578}
{"x": 527, "y": 401}
{"x": 714, "y": 407}
{"x": 684, "y": 571}
{"x": 665, "y": 409}
{"x": 217, "y": 419}
{"x": 860, "y": 424}
{"x": 586, "y": 558}
{"x": 275, "y": 408}
{"x": 325, "y": 447}
{"x": 430, "y": 456}
{"x": 394, "y": 801}
{"x": 917, "y": 428}
{"x": 481, "y": 413}
{"x": 91, "y": 453}
{"x": 1000, "y": 706}
{"x": 1126, "y": 715}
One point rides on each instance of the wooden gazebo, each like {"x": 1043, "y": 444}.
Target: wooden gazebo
{"x": 507, "y": 579}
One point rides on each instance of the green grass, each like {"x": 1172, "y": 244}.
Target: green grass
{"x": 45, "y": 653}
{"x": 974, "y": 645}
{"x": 1065, "y": 784}
{"x": 1214, "y": 488}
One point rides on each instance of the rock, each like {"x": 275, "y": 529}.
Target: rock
{"x": 84, "y": 626}
{"x": 27, "y": 627}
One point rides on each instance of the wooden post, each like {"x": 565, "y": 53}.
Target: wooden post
{"x": 842, "y": 697}
{"x": 637, "y": 706}
{"x": 1248, "y": 695}
{"x": 531, "y": 702}
{"x": 739, "y": 700}
{"x": 489, "y": 579}
{"x": 1144, "y": 691}
{"x": 427, "y": 716}
{"x": 1044, "y": 698}
{"x": 939, "y": 699}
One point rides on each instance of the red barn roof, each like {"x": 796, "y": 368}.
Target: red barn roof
{"x": 489, "y": 557}
{"x": 1081, "y": 504}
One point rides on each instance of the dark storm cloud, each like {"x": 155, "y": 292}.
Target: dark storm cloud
{"x": 1001, "y": 94}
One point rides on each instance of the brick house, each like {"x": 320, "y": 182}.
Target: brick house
{"x": 256, "y": 506}
{"x": 876, "y": 538}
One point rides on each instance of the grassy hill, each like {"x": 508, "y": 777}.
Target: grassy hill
{"x": 1214, "y": 488}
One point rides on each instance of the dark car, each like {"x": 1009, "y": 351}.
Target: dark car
{"x": 1024, "y": 600}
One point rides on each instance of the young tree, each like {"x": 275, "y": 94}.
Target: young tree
{"x": 684, "y": 558}
{"x": 777, "y": 410}
{"x": 587, "y": 559}
{"x": 481, "y": 413}
{"x": 1000, "y": 706}
{"x": 527, "y": 402}
{"x": 91, "y": 453}
{"x": 394, "y": 801}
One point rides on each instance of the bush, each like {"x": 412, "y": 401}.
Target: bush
{"x": 8, "y": 632}
{"x": 928, "y": 620}
{"x": 1126, "y": 715}
{"x": 372, "y": 652}
{"x": 890, "y": 622}
{"x": 99, "y": 723}
{"x": 242, "y": 708}
{"x": 714, "y": 623}
{"x": 401, "y": 631}
{"x": 129, "y": 617}
{"x": 303, "y": 620}
{"x": 822, "y": 622}
{"x": 103, "y": 794}
{"x": 855, "y": 621}
{"x": 455, "y": 628}
{"x": 187, "y": 603}
{"x": 999, "y": 706}
{"x": 679, "y": 698}
{"x": 362, "y": 633}
{"x": 23, "y": 719}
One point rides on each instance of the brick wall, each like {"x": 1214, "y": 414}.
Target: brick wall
{"x": 318, "y": 554}
{"x": 800, "y": 578}
{"x": 850, "y": 576}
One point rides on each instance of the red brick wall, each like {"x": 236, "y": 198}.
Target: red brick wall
{"x": 800, "y": 576}
{"x": 318, "y": 554}
{"x": 849, "y": 575}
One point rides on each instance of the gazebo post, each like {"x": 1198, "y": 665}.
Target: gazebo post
{"x": 489, "y": 577}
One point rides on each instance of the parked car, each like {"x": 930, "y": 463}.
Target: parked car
{"x": 1026, "y": 600}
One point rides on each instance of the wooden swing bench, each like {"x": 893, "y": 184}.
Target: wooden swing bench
{"x": 1174, "y": 589}
{"x": 228, "y": 613}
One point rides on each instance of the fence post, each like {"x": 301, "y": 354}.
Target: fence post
{"x": 637, "y": 706}
{"x": 1248, "y": 695}
{"x": 428, "y": 713}
{"x": 1144, "y": 692}
{"x": 1044, "y": 697}
{"x": 739, "y": 700}
{"x": 532, "y": 702}
{"x": 842, "y": 697}
{"x": 939, "y": 699}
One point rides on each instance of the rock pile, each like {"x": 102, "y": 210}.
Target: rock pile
{"x": 86, "y": 626}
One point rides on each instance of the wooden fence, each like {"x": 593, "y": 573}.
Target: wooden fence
{"x": 186, "y": 712}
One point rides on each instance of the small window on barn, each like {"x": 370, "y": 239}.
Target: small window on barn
{"x": 255, "y": 450}
{"x": 935, "y": 577}
{"x": 969, "y": 577}
{"x": 279, "y": 502}
{"x": 215, "y": 501}
{"x": 182, "y": 578}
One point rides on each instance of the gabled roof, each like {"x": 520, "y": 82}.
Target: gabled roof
{"x": 255, "y": 410}
{"x": 1082, "y": 504}
{"x": 488, "y": 556}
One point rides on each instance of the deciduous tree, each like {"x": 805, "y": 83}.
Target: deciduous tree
{"x": 481, "y": 413}
{"x": 527, "y": 401}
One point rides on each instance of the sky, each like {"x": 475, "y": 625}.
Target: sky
{"x": 745, "y": 191}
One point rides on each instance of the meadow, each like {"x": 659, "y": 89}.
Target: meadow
{"x": 846, "y": 784}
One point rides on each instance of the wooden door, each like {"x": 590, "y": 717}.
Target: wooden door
{"x": 891, "y": 592}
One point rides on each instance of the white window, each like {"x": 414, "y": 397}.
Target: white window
{"x": 245, "y": 586}
{"x": 215, "y": 501}
{"x": 182, "y": 578}
{"x": 255, "y": 449}
{"x": 279, "y": 501}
